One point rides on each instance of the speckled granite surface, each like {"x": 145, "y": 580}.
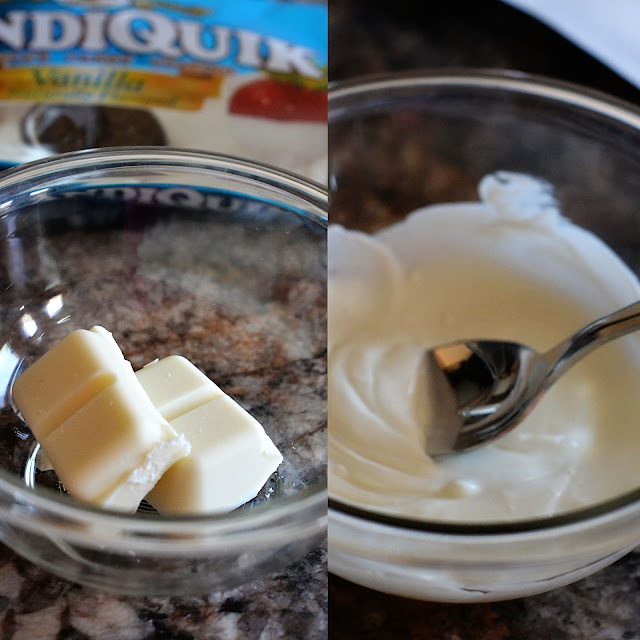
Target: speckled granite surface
{"x": 378, "y": 36}
{"x": 605, "y": 606}
{"x": 34, "y": 605}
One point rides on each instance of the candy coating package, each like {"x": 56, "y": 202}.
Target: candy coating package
{"x": 246, "y": 78}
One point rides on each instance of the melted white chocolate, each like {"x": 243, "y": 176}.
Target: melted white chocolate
{"x": 508, "y": 267}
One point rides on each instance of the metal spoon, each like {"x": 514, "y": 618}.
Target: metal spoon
{"x": 481, "y": 389}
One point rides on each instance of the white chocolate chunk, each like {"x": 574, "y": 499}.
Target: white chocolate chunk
{"x": 64, "y": 379}
{"x": 101, "y": 432}
{"x": 231, "y": 455}
{"x": 175, "y": 386}
{"x": 145, "y": 475}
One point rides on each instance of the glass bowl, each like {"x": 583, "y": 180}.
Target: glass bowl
{"x": 214, "y": 258}
{"x": 400, "y": 142}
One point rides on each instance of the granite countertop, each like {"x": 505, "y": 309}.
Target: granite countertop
{"x": 381, "y": 36}
{"x": 35, "y": 605}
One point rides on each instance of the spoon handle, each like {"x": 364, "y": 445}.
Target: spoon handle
{"x": 610, "y": 327}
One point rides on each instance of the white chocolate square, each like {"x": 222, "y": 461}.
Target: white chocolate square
{"x": 105, "y": 439}
{"x": 176, "y": 386}
{"x": 99, "y": 446}
{"x": 64, "y": 379}
{"x": 231, "y": 455}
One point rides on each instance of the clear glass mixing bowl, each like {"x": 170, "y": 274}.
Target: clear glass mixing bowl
{"x": 214, "y": 258}
{"x": 400, "y": 142}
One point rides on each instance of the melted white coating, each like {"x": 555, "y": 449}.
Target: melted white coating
{"x": 507, "y": 267}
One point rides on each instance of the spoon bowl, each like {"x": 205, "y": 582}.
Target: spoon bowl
{"x": 480, "y": 390}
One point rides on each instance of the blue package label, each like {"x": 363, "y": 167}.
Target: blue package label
{"x": 246, "y": 78}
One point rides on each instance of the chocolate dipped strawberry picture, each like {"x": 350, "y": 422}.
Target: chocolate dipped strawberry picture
{"x": 281, "y": 99}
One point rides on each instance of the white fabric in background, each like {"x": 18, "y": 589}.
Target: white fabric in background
{"x": 607, "y": 29}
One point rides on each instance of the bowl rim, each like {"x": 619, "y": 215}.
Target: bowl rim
{"x": 577, "y": 95}
{"x": 65, "y": 164}
{"x": 364, "y": 89}
{"x": 33, "y": 507}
